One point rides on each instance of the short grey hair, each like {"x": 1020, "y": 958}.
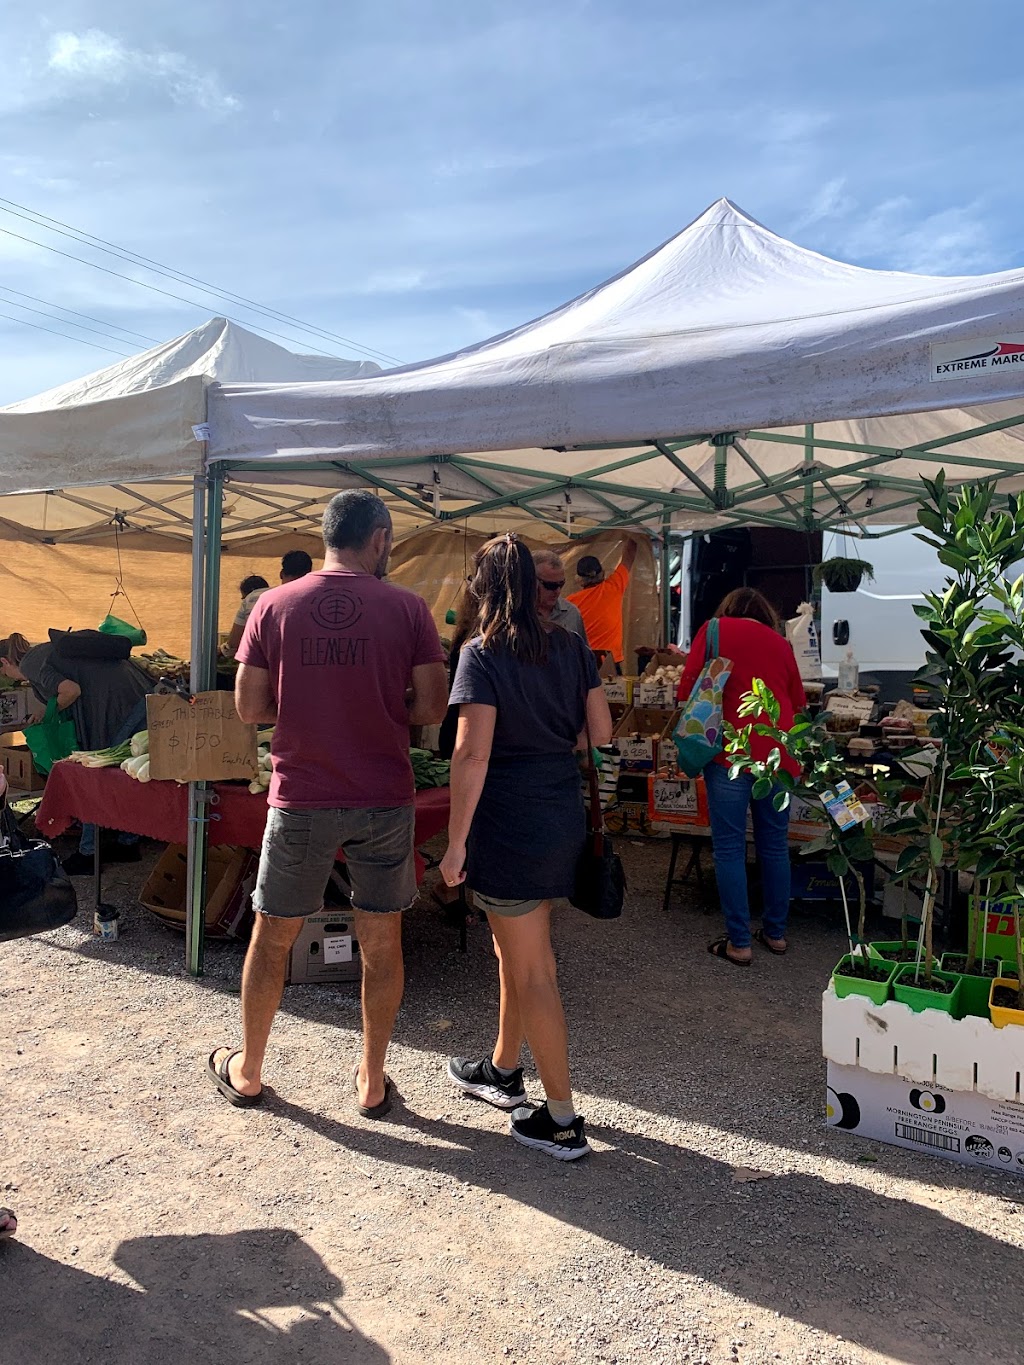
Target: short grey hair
{"x": 544, "y": 556}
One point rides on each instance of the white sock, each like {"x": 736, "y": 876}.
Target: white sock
{"x": 562, "y": 1111}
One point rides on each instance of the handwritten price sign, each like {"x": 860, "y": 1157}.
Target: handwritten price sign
{"x": 201, "y": 740}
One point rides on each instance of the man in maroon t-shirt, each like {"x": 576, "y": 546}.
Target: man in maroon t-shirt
{"x": 342, "y": 664}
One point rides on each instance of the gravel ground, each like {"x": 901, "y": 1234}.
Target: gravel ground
{"x": 159, "y": 1225}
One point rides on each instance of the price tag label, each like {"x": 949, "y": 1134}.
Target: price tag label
{"x": 337, "y": 947}
{"x": 675, "y": 796}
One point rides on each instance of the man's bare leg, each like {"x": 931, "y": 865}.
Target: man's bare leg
{"x": 380, "y": 945}
{"x": 266, "y": 965}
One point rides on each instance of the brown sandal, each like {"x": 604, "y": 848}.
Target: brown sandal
{"x": 779, "y": 952}
{"x": 720, "y": 949}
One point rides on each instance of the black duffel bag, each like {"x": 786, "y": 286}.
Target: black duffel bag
{"x": 89, "y": 644}
{"x": 35, "y": 893}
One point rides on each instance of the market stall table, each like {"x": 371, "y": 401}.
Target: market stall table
{"x": 110, "y": 799}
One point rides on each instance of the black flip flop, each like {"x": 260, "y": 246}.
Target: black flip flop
{"x": 779, "y": 952}
{"x": 218, "y": 1074}
{"x": 719, "y": 949}
{"x": 374, "y": 1111}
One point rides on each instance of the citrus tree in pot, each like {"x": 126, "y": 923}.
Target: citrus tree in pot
{"x": 822, "y": 767}
{"x": 971, "y": 631}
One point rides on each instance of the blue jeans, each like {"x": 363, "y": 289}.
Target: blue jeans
{"x": 133, "y": 723}
{"x": 728, "y": 803}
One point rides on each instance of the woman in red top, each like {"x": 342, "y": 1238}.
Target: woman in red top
{"x": 749, "y": 635}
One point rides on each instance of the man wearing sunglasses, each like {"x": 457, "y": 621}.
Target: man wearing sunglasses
{"x": 550, "y": 603}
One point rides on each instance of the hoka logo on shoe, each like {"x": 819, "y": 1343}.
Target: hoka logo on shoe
{"x": 565, "y": 1135}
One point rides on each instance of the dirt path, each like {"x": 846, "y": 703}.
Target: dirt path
{"x": 159, "y": 1225}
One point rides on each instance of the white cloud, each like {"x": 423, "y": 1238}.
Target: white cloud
{"x": 98, "y": 57}
{"x": 951, "y": 241}
{"x": 396, "y": 281}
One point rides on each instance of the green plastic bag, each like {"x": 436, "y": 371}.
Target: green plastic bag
{"x": 52, "y": 739}
{"x": 113, "y": 625}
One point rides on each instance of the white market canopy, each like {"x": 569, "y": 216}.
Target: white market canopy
{"x": 729, "y": 377}
{"x": 67, "y": 455}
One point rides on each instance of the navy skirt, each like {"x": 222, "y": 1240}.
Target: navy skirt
{"x": 529, "y": 829}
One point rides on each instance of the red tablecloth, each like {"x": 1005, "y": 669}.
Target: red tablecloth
{"x": 111, "y": 799}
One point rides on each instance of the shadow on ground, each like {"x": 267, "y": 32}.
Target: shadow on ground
{"x": 262, "y": 1297}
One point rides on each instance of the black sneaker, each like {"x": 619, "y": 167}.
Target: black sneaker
{"x": 536, "y": 1128}
{"x": 484, "y": 1081}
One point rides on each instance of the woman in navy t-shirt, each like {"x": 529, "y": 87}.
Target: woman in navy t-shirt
{"x": 517, "y": 827}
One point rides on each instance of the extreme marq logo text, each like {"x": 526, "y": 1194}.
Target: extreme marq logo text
{"x": 960, "y": 359}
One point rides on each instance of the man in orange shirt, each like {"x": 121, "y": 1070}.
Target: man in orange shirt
{"x": 599, "y": 601}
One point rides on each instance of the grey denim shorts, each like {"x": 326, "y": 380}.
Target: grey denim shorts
{"x": 497, "y": 905}
{"x": 300, "y": 848}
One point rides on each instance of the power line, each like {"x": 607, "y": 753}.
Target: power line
{"x": 179, "y": 298}
{"x": 49, "y": 304}
{"x": 68, "y": 322}
{"x": 126, "y": 355}
{"x": 180, "y": 276}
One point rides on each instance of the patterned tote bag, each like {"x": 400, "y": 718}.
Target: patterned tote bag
{"x": 698, "y": 735}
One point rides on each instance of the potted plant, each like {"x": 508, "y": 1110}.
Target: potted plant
{"x": 840, "y": 574}
{"x": 822, "y": 768}
{"x": 972, "y": 633}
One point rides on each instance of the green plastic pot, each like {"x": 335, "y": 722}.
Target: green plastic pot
{"x": 879, "y": 950}
{"x": 878, "y": 992}
{"x": 974, "y": 988}
{"x": 919, "y": 998}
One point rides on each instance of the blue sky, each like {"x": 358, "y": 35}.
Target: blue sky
{"x": 419, "y": 174}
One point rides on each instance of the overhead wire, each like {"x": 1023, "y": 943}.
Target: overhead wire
{"x": 67, "y": 321}
{"x": 67, "y": 337}
{"x": 180, "y": 298}
{"x": 89, "y": 318}
{"x": 56, "y": 225}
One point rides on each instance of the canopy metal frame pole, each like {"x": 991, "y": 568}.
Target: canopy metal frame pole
{"x": 666, "y": 580}
{"x": 208, "y": 510}
{"x": 195, "y": 853}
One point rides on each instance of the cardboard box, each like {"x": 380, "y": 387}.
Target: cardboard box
{"x": 677, "y": 800}
{"x": 638, "y": 736}
{"x": 325, "y": 950}
{"x": 647, "y": 692}
{"x": 230, "y": 879}
{"x": 926, "y": 1047}
{"x": 959, "y": 1125}
{"x": 16, "y": 760}
{"x": 16, "y": 703}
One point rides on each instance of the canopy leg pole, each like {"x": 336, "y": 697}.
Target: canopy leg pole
{"x": 666, "y": 580}
{"x": 809, "y": 482}
{"x": 205, "y": 600}
{"x": 195, "y": 866}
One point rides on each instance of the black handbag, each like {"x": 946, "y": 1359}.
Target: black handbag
{"x": 600, "y": 888}
{"x": 35, "y": 893}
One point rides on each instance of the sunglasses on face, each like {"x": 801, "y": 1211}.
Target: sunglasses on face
{"x": 551, "y": 587}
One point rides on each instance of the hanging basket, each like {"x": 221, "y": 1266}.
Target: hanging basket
{"x": 842, "y": 575}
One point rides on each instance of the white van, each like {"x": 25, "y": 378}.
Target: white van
{"x": 877, "y": 622}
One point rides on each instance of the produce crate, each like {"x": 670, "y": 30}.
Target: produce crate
{"x": 326, "y": 950}
{"x": 15, "y": 705}
{"x": 230, "y": 879}
{"x": 639, "y": 737}
{"x": 16, "y": 760}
